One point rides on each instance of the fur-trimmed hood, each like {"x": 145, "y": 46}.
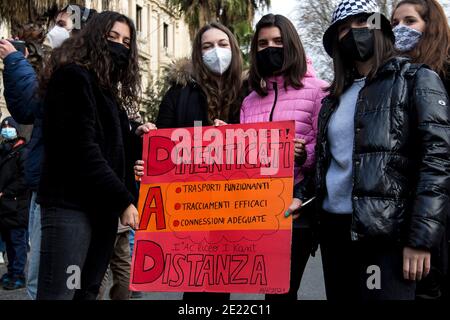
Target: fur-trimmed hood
{"x": 180, "y": 72}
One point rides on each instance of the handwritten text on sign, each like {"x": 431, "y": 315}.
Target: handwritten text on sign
{"x": 212, "y": 205}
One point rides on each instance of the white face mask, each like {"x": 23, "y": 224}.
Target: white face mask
{"x": 57, "y": 36}
{"x": 218, "y": 60}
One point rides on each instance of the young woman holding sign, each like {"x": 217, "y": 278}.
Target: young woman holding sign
{"x": 285, "y": 88}
{"x": 205, "y": 89}
{"x": 299, "y": 100}
{"x": 91, "y": 84}
{"x": 383, "y": 174}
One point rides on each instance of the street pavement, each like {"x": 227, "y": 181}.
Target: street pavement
{"x": 312, "y": 287}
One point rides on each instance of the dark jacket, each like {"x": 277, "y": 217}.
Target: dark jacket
{"x": 86, "y": 142}
{"x": 401, "y": 166}
{"x": 446, "y": 81}
{"x": 14, "y": 201}
{"x": 21, "y": 84}
{"x": 185, "y": 102}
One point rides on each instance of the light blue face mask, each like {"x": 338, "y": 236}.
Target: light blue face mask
{"x": 406, "y": 38}
{"x": 9, "y": 133}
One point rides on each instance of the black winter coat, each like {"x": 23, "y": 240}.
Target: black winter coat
{"x": 87, "y": 163}
{"x": 185, "y": 102}
{"x": 15, "y": 198}
{"x": 182, "y": 106}
{"x": 401, "y": 162}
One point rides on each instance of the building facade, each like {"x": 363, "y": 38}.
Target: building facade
{"x": 163, "y": 36}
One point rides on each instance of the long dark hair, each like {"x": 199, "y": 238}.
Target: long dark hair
{"x": 345, "y": 71}
{"x": 434, "y": 46}
{"x": 89, "y": 48}
{"x": 222, "y": 92}
{"x": 295, "y": 64}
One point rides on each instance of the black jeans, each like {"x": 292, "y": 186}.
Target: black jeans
{"x": 74, "y": 241}
{"x": 300, "y": 252}
{"x": 347, "y": 264}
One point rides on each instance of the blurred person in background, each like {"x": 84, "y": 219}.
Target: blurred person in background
{"x": 14, "y": 197}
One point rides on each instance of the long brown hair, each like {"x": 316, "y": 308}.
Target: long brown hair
{"x": 345, "y": 71}
{"x": 294, "y": 66}
{"x": 434, "y": 46}
{"x": 222, "y": 92}
{"x": 89, "y": 48}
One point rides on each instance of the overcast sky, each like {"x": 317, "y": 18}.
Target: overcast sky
{"x": 288, "y": 8}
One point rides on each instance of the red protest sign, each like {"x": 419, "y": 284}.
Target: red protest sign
{"x": 212, "y": 206}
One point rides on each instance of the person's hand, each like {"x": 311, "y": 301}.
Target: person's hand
{"x": 6, "y": 48}
{"x": 1, "y": 194}
{"x": 139, "y": 168}
{"x": 26, "y": 53}
{"x": 145, "y": 128}
{"x": 416, "y": 264}
{"x": 293, "y": 208}
{"x": 219, "y": 123}
{"x": 130, "y": 217}
{"x": 300, "y": 151}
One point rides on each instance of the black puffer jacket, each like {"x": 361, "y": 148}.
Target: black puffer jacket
{"x": 401, "y": 161}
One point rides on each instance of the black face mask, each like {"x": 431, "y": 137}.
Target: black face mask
{"x": 269, "y": 61}
{"x": 358, "y": 44}
{"x": 120, "y": 55}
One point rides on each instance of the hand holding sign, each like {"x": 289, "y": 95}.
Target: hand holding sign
{"x": 219, "y": 123}
{"x": 130, "y": 217}
{"x": 300, "y": 151}
{"x": 139, "y": 168}
{"x": 145, "y": 128}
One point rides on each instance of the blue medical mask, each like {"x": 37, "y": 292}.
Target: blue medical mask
{"x": 9, "y": 133}
{"x": 406, "y": 38}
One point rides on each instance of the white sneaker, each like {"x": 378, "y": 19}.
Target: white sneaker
{"x": 2, "y": 261}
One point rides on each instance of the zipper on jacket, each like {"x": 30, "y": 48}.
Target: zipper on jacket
{"x": 275, "y": 88}
{"x": 354, "y": 235}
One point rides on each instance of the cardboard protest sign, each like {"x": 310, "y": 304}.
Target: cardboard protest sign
{"x": 212, "y": 206}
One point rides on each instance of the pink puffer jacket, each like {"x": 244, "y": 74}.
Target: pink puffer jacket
{"x": 302, "y": 105}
